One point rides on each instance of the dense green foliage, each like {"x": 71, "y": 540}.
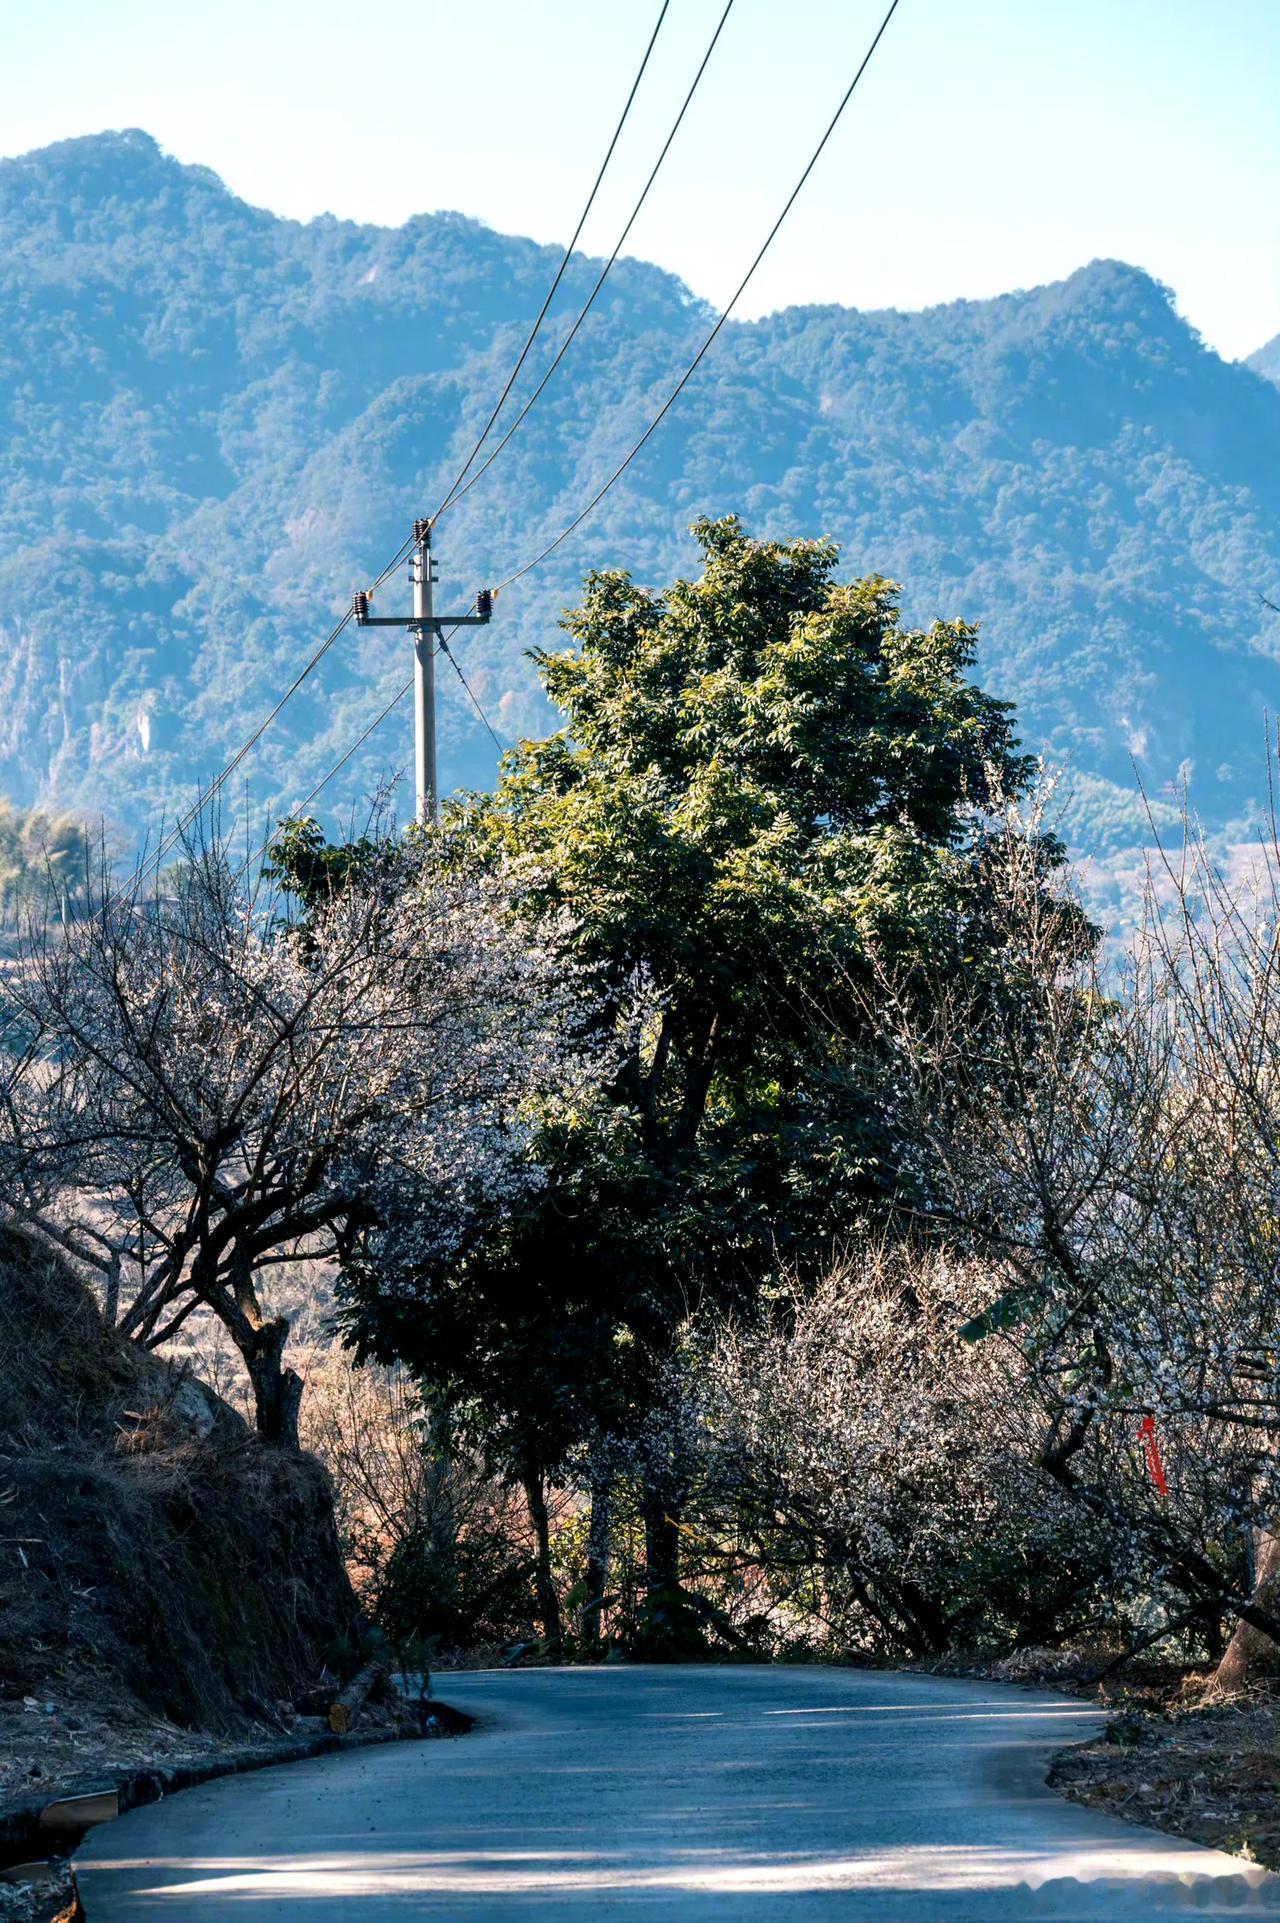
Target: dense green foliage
{"x": 766, "y": 789}
{"x": 46, "y": 863}
{"x": 763, "y": 776}
{"x": 216, "y": 424}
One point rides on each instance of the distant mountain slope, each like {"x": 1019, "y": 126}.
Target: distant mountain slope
{"x": 1266, "y": 361}
{"x": 214, "y": 424}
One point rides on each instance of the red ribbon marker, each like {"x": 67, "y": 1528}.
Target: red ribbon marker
{"x": 1154, "y": 1464}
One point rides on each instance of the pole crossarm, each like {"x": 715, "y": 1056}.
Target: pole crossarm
{"x": 423, "y": 623}
{"x": 436, "y": 622}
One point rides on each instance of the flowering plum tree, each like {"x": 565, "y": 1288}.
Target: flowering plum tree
{"x": 884, "y": 1472}
{"x": 209, "y": 1091}
{"x": 1106, "y": 1148}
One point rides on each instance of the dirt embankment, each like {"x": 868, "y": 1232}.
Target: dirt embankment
{"x": 170, "y": 1587}
{"x": 147, "y": 1538}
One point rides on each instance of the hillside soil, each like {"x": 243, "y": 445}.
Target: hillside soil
{"x": 147, "y": 1536}
{"x": 173, "y": 1600}
{"x": 1209, "y": 1772}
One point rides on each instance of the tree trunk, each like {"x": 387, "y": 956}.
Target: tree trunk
{"x": 661, "y": 1541}
{"x": 597, "y": 1559}
{"x": 439, "y": 1512}
{"x": 277, "y": 1391}
{"x": 111, "y": 1306}
{"x": 544, "y": 1584}
{"x": 344, "y": 1712}
{"x": 1252, "y": 1649}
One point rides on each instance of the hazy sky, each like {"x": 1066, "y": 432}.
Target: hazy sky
{"x": 993, "y": 143}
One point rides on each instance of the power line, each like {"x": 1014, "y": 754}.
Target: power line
{"x": 154, "y": 862}
{"x": 300, "y": 807}
{"x": 457, "y": 492}
{"x": 685, "y": 377}
{"x": 562, "y": 268}
{"x": 453, "y": 661}
{"x": 317, "y": 656}
{"x": 528, "y": 567}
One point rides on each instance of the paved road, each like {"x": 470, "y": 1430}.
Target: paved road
{"x": 702, "y": 1795}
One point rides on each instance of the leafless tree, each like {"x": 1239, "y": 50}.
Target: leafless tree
{"x": 1104, "y": 1143}
{"x": 204, "y": 1091}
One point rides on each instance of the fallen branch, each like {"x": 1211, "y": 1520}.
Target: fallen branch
{"x": 347, "y": 1704}
{"x": 1144, "y": 1642}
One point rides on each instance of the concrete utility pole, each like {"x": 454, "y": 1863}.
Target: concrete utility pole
{"x": 421, "y": 571}
{"x": 427, "y": 627}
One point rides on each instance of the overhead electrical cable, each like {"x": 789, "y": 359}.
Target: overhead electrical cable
{"x": 528, "y": 567}
{"x": 171, "y": 840}
{"x": 676, "y": 391}
{"x": 152, "y": 864}
{"x": 456, "y": 492}
{"x": 564, "y": 264}
{"x": 453, "y": 661}
{"x": 299, "y": 807}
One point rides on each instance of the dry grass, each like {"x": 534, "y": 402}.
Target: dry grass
{"x": 49, "y": 1901}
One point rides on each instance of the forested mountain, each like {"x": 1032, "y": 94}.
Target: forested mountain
{"x": 216, "y": 424}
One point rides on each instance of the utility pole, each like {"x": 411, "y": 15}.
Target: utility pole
{"x": 426, "y": 626}
{"x": 421, "y": 572}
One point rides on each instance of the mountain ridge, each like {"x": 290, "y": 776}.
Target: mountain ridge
{"x": 216, "y": 423}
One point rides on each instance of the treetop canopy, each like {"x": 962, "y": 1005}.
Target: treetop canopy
{"x": 761, "y": 746}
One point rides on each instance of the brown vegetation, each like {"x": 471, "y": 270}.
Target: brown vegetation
{"x": 150, "y": 1540}
{"x": 1207, "y": 1771}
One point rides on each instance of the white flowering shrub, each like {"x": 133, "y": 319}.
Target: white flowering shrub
{"x": 858, "y": 1442}
{"x": 208, "y": 1091}
{"x": 1105, "y": 1150}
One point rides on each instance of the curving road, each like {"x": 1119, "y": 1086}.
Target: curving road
{"x": 700, "y": 1795}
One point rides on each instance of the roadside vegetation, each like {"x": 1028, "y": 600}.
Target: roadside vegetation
{"x": 718, "y": 1194}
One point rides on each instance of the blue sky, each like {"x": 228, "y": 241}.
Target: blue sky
{"x": 994, "y": 143}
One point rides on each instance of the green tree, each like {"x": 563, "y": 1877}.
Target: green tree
{"x": 46, "y": 862}
{"x": 764, "y": 782}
